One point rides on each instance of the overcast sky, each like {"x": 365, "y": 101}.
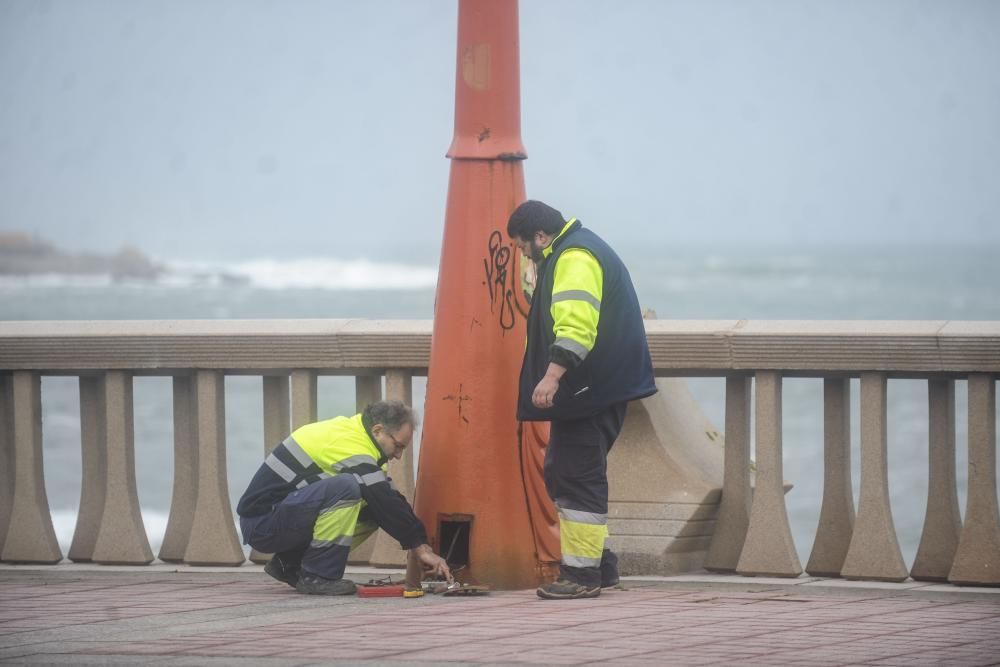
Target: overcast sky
{"x": 238, "y": 128}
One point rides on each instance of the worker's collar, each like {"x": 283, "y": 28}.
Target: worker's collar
{"x": 569, "y": 226}
{"x": 367, "y": 423}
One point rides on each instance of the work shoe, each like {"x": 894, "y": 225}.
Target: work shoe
{"x": 278, "y": 569}
{"x": 610, "y": 583}
{"x": 563, "y": 589}
{"x": 312, "y": 584}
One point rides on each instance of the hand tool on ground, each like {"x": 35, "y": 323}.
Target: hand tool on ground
{"x": 383, "y": 588}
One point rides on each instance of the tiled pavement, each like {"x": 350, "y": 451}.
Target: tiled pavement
{"x": 67, "y": 615}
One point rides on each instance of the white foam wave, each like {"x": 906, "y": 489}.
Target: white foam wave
{"x": 309, "y": 273}
{"x": 57, "y": 280}
{"x": 267, "y": 274}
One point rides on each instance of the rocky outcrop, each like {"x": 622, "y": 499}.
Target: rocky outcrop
{"x": 25, "y": 254}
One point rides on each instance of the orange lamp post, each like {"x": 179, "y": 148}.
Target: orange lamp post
{"x": 479, "y": 489}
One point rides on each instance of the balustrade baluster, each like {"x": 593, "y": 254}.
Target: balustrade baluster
{"x": 121, "y": 538}
{"x": 769, "y": 548}
{"x": 6, "y": 453}
{"x": 977, "y": 560}
{"x": 943, "y": 521}
{"x": 367, "y": 389}
{"x": 874, "y": 551}
{"x": 386, "y": 551}
{"x": 94, "y": 479}
{"x": 304, "y": 394}
{"x": 836, "y": 518}
{"x": 185, "y": 489}
{"x": 213, "y": 532}
{"x": 30, "y": 535}
{"x": 734, "y": 510}
{"x": 277, "y": 420}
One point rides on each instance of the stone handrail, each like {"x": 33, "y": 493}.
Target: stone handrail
{"x": 678, "y": 347}
{"x": 752, "y": 534}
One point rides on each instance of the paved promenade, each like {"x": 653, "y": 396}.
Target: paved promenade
{"x": 162, "y": 615}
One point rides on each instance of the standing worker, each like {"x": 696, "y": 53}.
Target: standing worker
{"x": 324, "y": 490}
{"x": 586, "y": 357}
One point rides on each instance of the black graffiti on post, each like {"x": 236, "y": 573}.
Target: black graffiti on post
{"x": 499, "y": 280}
{"x": 459, "y": 399}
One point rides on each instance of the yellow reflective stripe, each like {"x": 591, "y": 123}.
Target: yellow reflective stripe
{"x": 574, "y": 347}
{"x": 577, "y": 295}
{"x": 371, "y": 478}
{"x": 344, "y": 541}
{"x": 582, "y": 540}
{"x": 580, "y": 516}
{"x": 297, "y": 452}
{"x": 577, "y": 561}
{"x": 279, "y": 468}
{"x": 337, "y": 522}
{"x": 352, "y": 461}
{"x": 577, "y": 289}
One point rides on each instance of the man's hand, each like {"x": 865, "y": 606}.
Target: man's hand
{"x": 545, "y": 390}
{"x": 432, "y": 563}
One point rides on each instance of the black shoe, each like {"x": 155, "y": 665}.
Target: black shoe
{"x": 610, "y": 583}
{"x": 281, "y": 571}
{"x": 312, "y": 584}
{"x": 563, "y": 589}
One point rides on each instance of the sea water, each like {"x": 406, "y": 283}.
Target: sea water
{"x": 755, "y": 282}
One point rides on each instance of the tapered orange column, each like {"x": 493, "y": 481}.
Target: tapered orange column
{"x": 470, "y": 491}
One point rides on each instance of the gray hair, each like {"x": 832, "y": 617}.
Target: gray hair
{"x": 390, "y": 414}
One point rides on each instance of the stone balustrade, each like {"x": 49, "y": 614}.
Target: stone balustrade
{"x": 752, "y": 534}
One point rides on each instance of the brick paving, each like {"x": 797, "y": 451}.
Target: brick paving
{"x": 96, "y": 617}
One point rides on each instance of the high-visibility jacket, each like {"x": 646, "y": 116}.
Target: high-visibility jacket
{"x": 316, "y": 451}
{"x": 585, "y": 317}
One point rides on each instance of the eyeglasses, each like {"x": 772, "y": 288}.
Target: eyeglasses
{"x": 394, "y": 441}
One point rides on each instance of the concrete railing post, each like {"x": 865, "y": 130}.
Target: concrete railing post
{"x": 121, "y": 538}
{"x": 185, "y": 490}
{"x": 213, "y": 532}
{"x": 6, "y": 453}
{"x": 367, "y": 389}
{"x": 977, "y": 560}
{"x": 94, "y": 481}
{"x": 386, "y": 552}
{"x": 874, "y": 551}
{"x": 734, "y": 510}
{"x": 304, "y": 397}
{"x": 30, "y": 536}
{"x": 836, "y": 518}
{"x": 943, "y": 521}
{"x": 769, "y": 548}
{"x": 277, "y": 421}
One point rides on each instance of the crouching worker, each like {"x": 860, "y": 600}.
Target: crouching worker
{"x": 324, "y": 490}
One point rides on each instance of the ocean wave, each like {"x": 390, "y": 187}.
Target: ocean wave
{"x": 265, "y": 274}
{"x": 56, "y": 280}
{"x": 314, "y": 273}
